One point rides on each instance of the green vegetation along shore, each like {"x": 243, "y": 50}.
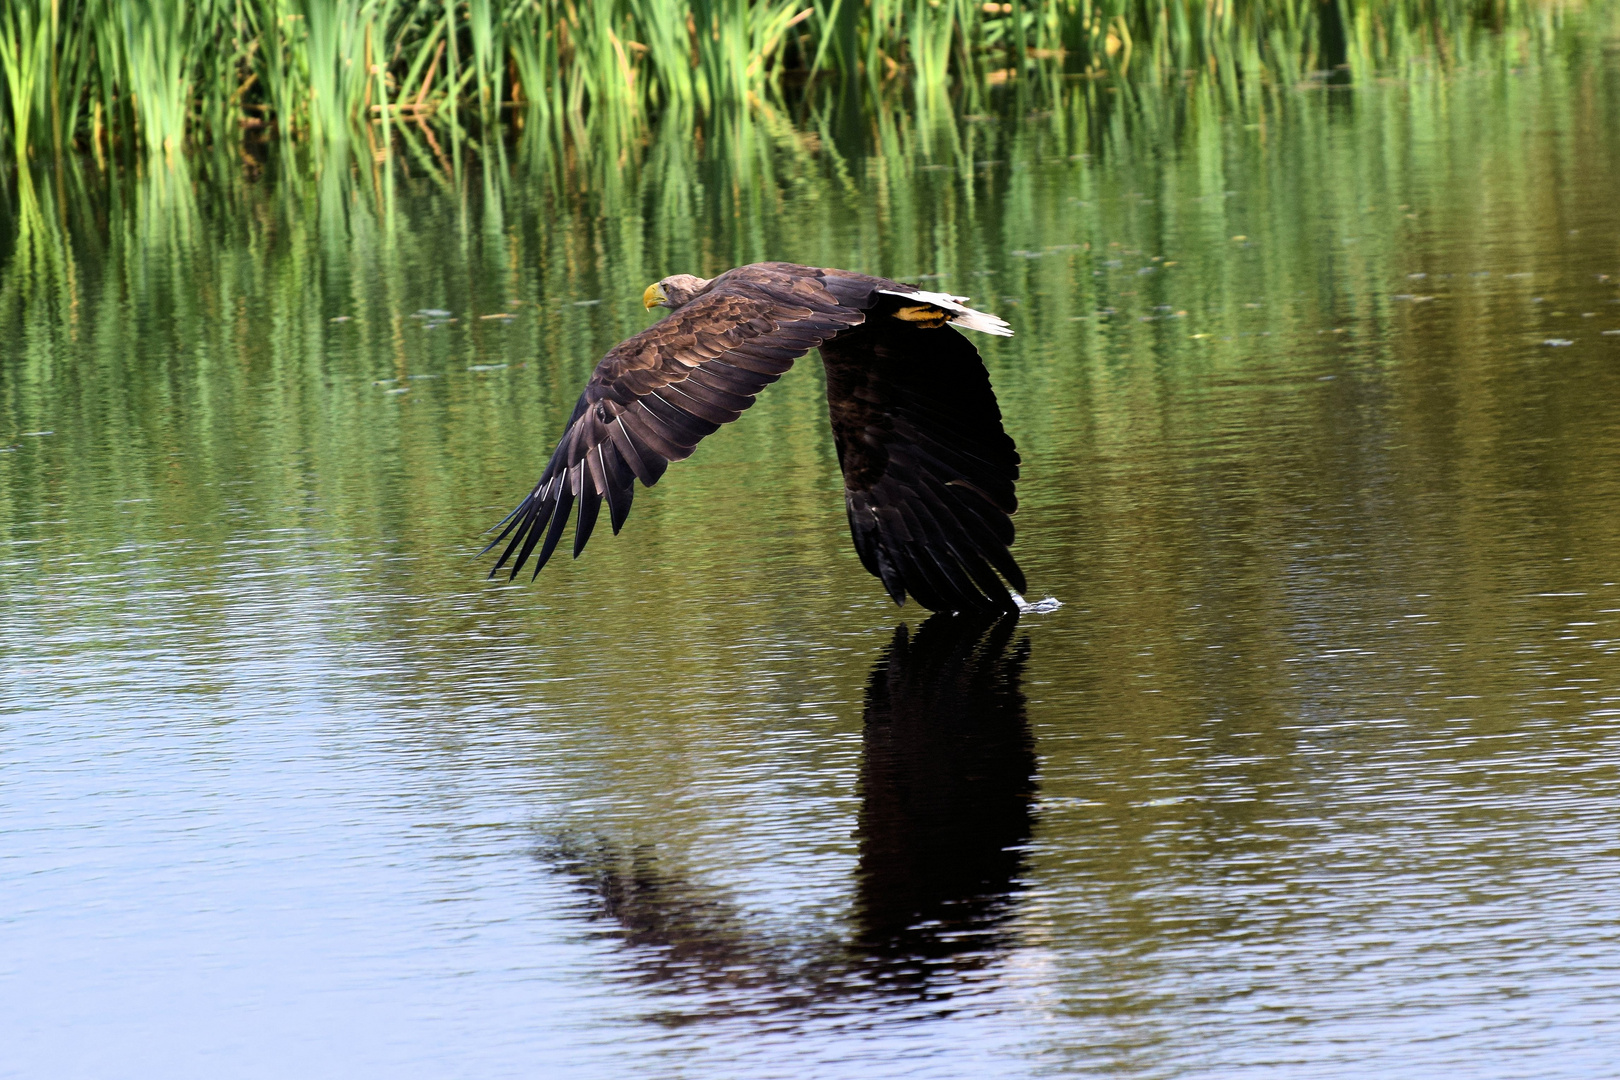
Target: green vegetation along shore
{"x": 117, "y": 76}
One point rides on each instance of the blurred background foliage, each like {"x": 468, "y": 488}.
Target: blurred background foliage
{"x": 1158, "y": 229}
{"x": 153, "y": 76}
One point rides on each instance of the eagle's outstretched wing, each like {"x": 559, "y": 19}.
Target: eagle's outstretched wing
{"x": 654, "y": 396}
{"x": 929, "y": 473}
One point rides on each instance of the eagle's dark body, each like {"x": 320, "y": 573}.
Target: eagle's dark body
{"x": 929, "y": 474}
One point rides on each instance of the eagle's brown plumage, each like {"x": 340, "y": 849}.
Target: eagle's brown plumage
{"x": 929, "y": 473}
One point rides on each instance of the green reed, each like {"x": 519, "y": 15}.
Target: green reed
{"x": 116, "y": 75}
{"x": 145, "y": 309}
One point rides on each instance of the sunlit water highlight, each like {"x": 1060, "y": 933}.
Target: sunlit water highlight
{"x": 1313, "y": 773}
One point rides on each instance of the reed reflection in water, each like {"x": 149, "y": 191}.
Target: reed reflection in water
{"x": 947, "y": 794}
{"x": 1317, "y": 395}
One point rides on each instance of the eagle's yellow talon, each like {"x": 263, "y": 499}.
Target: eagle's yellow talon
{"x": 923, "y": 315}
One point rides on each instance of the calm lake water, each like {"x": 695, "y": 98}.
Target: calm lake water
{"x": 1315, "y": 773}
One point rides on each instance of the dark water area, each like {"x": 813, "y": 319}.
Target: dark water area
{"x": 1314, "y": 773}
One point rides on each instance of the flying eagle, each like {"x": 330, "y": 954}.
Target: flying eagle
{"x": 929, "y": 474}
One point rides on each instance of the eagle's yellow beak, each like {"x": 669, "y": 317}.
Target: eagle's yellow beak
{"x": 653, "y": 297}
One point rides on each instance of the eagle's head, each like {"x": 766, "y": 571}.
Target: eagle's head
{"x": 673, "y": 291}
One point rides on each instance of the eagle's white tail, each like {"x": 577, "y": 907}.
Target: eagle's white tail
{"x": 958, "y": 314}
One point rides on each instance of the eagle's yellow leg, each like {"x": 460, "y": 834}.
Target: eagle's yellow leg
{"x": 923, "y": 315}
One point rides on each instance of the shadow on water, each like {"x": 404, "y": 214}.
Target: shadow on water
{"x": 947, "y": 791}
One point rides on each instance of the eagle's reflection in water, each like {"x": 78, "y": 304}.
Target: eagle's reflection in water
{"x": 947, "y": 787}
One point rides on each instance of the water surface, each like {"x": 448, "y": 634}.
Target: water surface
{"x": 1314, "y": 774}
